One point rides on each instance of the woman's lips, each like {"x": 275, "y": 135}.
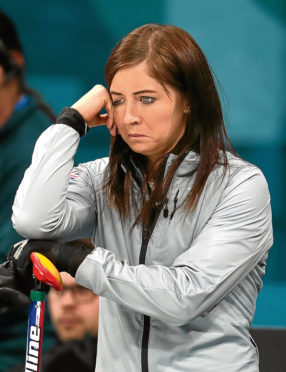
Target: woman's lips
{"x": 136, "y": 135}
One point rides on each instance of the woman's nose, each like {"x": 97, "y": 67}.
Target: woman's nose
{"x": 131, "y": 116}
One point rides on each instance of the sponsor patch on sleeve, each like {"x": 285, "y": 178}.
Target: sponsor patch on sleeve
{"x": 75, "y": 173}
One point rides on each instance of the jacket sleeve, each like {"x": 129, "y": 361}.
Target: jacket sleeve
{"x": 235, "y": 239}
{"x": 46, "y": 206}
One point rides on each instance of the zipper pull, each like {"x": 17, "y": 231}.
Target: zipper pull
{"x": 145, "y": 233}
{"x": 166, "y": 210}
{"x": 175, "y": 204}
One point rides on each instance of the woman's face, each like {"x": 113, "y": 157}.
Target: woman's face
{"x": 149, "y": 120}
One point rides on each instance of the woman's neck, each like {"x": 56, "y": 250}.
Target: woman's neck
{"x": 153, "y": 168}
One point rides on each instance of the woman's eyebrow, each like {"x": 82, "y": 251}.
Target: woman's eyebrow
{"x": 145, "y": 91}
{"x": 135, "y": 93}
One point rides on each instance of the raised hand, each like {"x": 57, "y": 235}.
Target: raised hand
{"x": 90, "y": 106}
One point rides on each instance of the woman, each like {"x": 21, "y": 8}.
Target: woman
{"x": 181, "y": 226}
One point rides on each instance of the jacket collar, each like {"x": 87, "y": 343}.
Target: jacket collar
{"x": 185, "y": 169}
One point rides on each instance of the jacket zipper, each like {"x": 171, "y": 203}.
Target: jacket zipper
{"x": 147, "y": 232}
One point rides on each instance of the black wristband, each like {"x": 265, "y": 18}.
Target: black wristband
{"x": 77, "y": 256}
{"x": 74, "y": 119}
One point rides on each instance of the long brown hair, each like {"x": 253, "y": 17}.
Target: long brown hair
{"x": 174, "y": 59}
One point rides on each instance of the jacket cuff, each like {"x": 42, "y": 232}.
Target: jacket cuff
{"x": 74, "y": 119}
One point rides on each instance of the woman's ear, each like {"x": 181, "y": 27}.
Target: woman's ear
{"x": 187, "y": 108}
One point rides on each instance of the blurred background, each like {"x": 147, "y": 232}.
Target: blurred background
{"x": 66, "y": 44}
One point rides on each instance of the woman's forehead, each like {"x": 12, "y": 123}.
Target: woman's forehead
{"x": 132, "y": 74}
{"x": 134, "y": 79}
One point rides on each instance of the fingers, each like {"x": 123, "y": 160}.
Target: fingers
{"x": 110, "y": 124}
{"x": 110, "y": 118}
{"x": 105, "y": 119}
{"x": 109, "y": 109}
{"x": 91, "y": 105}
{"x": 16, "y": 249}
{"x": 113, "y": 130}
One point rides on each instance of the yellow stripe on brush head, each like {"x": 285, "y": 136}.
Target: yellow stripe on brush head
{"x": 45, "y": 271}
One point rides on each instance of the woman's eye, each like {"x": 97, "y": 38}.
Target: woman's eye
{"x": 146, "y": 99}
{"x": 117, "y": 102}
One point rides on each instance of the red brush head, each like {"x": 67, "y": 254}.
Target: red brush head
{"x": 45, "y": 271}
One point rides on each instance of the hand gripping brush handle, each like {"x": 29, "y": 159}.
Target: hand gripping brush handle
{"x": 45, "y": 274}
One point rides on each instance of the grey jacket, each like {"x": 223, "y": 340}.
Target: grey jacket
{"x": 190, "y": 305}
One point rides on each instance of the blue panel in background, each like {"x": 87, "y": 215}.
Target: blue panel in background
{"x": 246, "y": 46}
{"x": 271, "y": 309}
